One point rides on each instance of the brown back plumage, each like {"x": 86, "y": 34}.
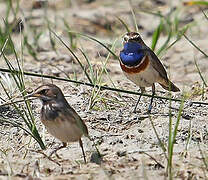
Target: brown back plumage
{"x": 158, "y": 66}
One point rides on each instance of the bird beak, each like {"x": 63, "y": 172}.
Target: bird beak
{"x": 34, "y": 94}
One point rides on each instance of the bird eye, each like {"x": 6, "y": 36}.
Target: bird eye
{"x": 44, "y": 91}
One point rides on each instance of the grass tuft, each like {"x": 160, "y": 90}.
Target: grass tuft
{"x": 18, "y": 79}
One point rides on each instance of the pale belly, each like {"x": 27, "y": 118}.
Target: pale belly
{"x": 145, "y": 78}
{"x": 64, "y": 131}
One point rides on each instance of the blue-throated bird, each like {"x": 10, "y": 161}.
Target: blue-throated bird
{"x": 140, "y": 65}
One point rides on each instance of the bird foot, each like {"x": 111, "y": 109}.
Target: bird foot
{"x": 134, "y": 111}
{"x": 149, "y": 109}
{"x": 55, "y": 150}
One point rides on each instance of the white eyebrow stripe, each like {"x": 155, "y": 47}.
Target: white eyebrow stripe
{"x": 134, "y": 37}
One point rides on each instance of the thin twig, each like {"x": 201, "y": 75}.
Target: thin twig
{"x": 158, "y": 163}
{"x": 48, "y": 157}
{"x": 92, "y": 85}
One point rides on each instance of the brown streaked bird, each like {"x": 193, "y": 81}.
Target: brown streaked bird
{"x": 140, "y": 65}
{"x": 59, "y": 118}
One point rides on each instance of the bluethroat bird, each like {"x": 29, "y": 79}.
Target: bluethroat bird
{"x": 140, "y": 65}
{"x": 59, "y": 118}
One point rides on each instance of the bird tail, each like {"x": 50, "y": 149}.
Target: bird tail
{"x": 170, "y": 86}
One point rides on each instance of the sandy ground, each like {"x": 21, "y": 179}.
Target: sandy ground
{"x": 127, "y": 140}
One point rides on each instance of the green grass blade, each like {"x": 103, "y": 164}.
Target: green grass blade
{"x": 158, "y": 14}
{"x": 90, "y": 67}
{"x": 205, "y": 161}
{"x": 123, "y": 23}
{"x": 172, "y": 137}
{"x": 199, "y": 72}
{"x": 73, "y": 54}
{"x": 19, "y": 81}
{"x": 156, "y": 35}
{"x": 134, "y": 16}
{"x": 15, "y": 124}
{"x": 158, "y": 138}
{"x": 195, "y": 46}
{"x": 70, "y": 35}
{"x": 191, "y": 3}
{"x": 93, "y": 39}
{"x": 205, "y": 14}
{"x": 179, "y": 35}
{"x": 163, "y": 47}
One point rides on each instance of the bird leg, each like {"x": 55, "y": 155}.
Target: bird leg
{"x": 142, "y": 91}
{"x": 81, "y": 145}
{"x": 55, "y": 150}
{"x": 151, "y": 101}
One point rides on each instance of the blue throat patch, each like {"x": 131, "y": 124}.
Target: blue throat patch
{"x": 132, "y": 54}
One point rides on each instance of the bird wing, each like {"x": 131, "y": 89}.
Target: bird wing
{"x": 75, "y": 118}
{"x": 157, "y": 65}
{"x": 67, "y": 112}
